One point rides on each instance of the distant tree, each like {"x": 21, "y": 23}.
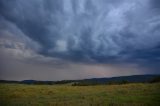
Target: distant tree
{"x": 86, "y": 83}
{"x": 111, "y": 82}
{"x": 124, "y": 82}
{"x": 117, "y": 82}
{"x": 154, "y": 80}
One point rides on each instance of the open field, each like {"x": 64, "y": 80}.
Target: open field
{"x": 66, "y": 95}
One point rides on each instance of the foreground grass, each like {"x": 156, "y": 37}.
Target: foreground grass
{"x": 67, "y": 95}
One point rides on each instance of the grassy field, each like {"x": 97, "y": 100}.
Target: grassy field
{"x": 67, "y": 95}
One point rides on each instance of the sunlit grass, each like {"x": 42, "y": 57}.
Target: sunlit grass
{"x": 67, "y": 95}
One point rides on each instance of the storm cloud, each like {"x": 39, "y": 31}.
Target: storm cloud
{"x": 60, "y": 33}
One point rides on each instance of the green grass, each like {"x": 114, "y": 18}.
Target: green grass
{"x": 67, "y": 95}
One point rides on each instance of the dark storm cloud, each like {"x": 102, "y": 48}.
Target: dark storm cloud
{"x": 75, "y": 39}
{"x": 89, "y": 30}
{"x": 155, "y": 4}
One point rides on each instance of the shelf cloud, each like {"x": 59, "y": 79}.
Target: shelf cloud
{"x": 72, "y": 39}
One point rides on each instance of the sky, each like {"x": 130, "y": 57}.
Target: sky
{"x": 77, "y": 39}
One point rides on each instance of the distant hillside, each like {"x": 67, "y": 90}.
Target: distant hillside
{"x": 133, "y": 78}
{"x": 93, "y": 81}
